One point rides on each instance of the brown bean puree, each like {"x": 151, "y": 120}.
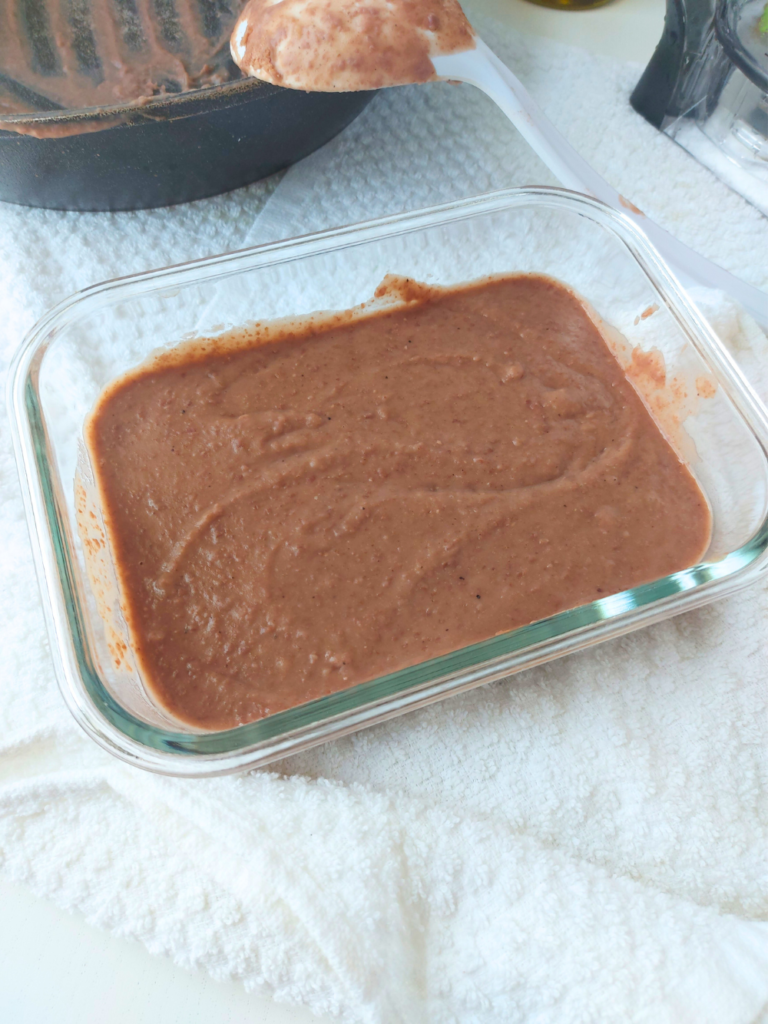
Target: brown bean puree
{"x": 107, "y": 53}
{"x": 347, "y": 45}
{"x": 291, "y": 517}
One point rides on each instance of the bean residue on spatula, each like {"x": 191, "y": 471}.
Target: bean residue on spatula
{"x": 347, "y": 45}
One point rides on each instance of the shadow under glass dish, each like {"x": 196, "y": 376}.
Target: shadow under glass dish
{"x": 72, "y": 135}
{"x": 94, "y": 337}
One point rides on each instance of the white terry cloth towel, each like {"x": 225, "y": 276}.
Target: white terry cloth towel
{"x": 583, "y": 843}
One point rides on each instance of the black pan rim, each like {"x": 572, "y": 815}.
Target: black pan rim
{"x": 184, "y": 104}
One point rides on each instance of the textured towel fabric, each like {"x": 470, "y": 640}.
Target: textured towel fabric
{"x": 584, "y": 842}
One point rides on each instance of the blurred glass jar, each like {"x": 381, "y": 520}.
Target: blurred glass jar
{"x": 570, "y": 5}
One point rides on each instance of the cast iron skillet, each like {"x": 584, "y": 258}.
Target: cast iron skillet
{"x": 193, "y": 145}
{"x": 172, "y": 149}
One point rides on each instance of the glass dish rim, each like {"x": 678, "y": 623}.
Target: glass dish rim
{"x": 246, "y": 746}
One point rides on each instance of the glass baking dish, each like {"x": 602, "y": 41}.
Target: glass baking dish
{"x": 704, "y": 404}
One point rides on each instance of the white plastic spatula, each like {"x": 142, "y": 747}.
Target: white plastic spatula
{"x": 482, "y": 68}
{"x": 344, "y": 45}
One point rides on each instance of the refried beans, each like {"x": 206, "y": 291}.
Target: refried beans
{"x": 354, "y": 495}
{"x": 347, "y": 45}
{"x": 102, "y": 54}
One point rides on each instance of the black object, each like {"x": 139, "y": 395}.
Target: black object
{"x": 653, "y": 93}
{"x": 176, "y": 146}
{"x": 183, "y": 147}
{"x": 687, "y": 25}
{"x": 693, "y": 61}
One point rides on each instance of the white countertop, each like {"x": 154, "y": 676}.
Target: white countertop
{"x": 54, "y": 966}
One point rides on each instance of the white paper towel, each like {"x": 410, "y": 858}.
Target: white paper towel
{"x": 586, "y": 842}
